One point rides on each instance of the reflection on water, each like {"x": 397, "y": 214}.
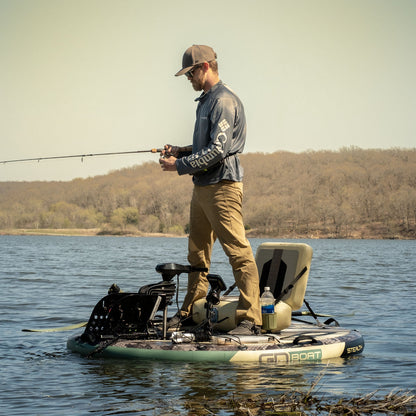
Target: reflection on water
{"x": 145, "y": 386}
{"x": 55, "y": 281}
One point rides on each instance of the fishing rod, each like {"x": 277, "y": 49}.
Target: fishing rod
{"x": 81, "y": 156}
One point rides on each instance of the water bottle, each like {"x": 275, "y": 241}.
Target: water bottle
{"x": 267, "y": 301}
{"x": 267, "y": 310}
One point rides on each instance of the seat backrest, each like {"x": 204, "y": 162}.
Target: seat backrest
{"x": 279, "y": 264}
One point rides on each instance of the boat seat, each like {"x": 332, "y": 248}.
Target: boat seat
{"x": 278, "y": 265}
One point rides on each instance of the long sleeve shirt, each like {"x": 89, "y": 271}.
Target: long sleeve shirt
{"x": 219, "y": 136}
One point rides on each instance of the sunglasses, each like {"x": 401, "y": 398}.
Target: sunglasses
{"x": 190, "y": 73}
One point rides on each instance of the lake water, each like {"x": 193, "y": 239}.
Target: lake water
{"x": 51, "y": 282}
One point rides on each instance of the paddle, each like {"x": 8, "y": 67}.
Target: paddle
{"x": 62, "y": 328}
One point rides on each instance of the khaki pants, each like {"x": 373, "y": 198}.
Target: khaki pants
{"x": 216, "y": 213}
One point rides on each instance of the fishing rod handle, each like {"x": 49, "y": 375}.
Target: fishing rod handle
{"x": 177, "y": 149}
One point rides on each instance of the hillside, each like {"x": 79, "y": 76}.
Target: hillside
{"x": 351, "y": 193}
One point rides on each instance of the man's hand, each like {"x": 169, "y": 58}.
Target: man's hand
{"x": 168, "y": 163}
{"x": 170, "y": 150}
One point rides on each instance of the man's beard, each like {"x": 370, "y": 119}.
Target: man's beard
{"x": 198, "y": 82}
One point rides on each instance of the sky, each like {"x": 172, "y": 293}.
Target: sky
{"x": 96, "y": 76}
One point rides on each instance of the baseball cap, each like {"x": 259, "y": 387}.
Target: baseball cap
{"x": 194, "y": 55}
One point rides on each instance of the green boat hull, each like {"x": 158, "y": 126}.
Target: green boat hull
{"x": 296, "y": 344}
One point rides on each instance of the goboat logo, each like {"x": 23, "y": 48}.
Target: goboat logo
{"x": 274, "y": 357}
{"x": 306, "y": 355}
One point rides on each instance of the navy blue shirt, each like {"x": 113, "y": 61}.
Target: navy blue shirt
{"x": 219, "y": 135}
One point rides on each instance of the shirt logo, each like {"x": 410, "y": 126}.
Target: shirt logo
{"x": 223, "y": 125}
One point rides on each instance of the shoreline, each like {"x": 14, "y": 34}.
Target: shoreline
{"x": 97, "y": 232}
{"x": 83, "y": 232}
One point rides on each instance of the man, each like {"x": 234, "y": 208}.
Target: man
{"x": 219, "y": 136}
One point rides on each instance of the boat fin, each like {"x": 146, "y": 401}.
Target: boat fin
{"x": 62, "y": 328}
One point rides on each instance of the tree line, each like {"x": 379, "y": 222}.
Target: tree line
{"x": 350, "y": 193}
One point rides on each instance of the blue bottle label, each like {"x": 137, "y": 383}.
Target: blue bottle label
{"x": 267, "y": 309}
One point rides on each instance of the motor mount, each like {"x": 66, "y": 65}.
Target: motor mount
{"x": 217, "y": 285}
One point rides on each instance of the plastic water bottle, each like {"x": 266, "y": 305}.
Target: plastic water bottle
{"x": 267, "y": 301}
{"x": 269, "y": 317}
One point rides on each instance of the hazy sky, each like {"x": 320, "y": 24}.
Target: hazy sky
{"x": 92, "y": 76}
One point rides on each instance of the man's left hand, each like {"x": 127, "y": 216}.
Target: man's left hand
{"x": 168, "y": 163}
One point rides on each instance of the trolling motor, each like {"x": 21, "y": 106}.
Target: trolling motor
{"x": 170, "y": 270}
{"x": 133, "y": 315}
